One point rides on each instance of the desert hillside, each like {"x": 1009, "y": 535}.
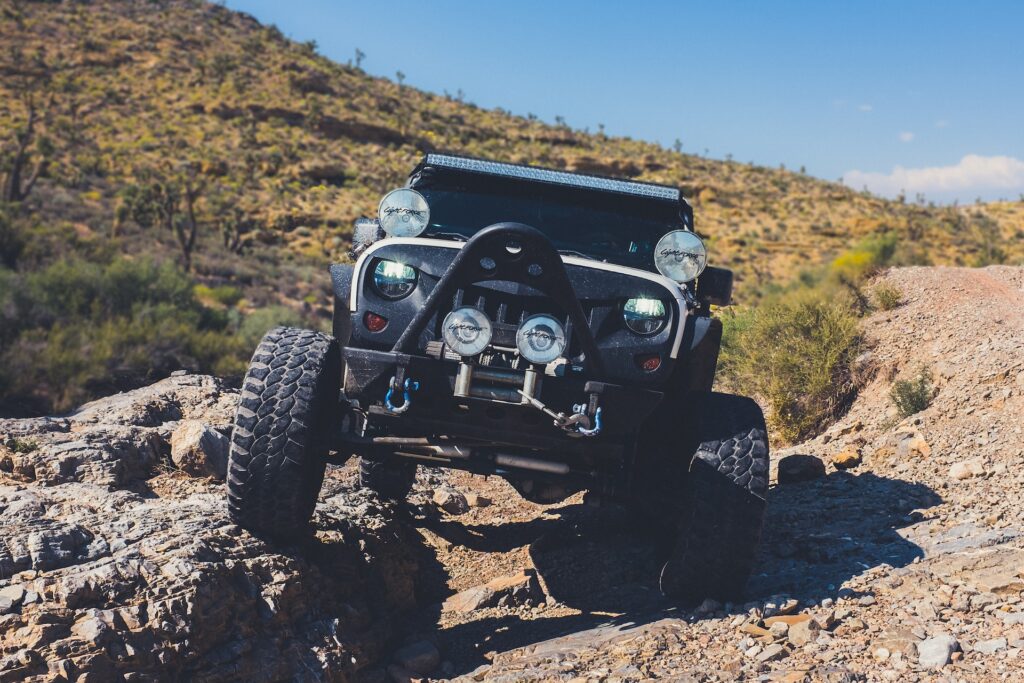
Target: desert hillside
{"x": 894, "y": 547}
{"x": 286, "y": 148}
{"x": 189, "y": 173}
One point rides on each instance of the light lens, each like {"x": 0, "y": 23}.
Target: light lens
{"x": 394, "y": 280}
{"x": 374, "y": 322}
{"x": 644, "y": 316}
{"x": 649, "y": 363}
{"x": 403, "y": 213}
{"x": 680, "y": 256}
{"x": 541, "y": 339}
{"x": 466, "y": 331}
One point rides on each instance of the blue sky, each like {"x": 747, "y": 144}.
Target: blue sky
{"x": 922, "y": 96}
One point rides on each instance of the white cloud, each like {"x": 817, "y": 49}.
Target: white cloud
{"x": 865, "y": 107}
{"x": 906, "y": 136}
{"x": 974, "y": 175}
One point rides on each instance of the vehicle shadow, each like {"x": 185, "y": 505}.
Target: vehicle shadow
{"x": 818, "y": 534}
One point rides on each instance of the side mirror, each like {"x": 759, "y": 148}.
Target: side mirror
{"x": 365, "y": 231}
{"x": 714, "y": 286}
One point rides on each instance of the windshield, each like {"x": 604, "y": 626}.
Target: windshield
{"x": 605, "y": 228}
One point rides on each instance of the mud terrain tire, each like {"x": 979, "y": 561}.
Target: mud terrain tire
{"x": 278, "y": 444}
{"x": 722, "y": 503}
{"x": 705, "y": 491}
{"x": 390, "y": 480}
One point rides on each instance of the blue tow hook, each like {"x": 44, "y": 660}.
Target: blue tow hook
{"x": 407, "y": 389}
{"x": 597, "y": 426}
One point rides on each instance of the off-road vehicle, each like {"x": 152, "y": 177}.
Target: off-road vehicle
{"x": 548, "y": 327}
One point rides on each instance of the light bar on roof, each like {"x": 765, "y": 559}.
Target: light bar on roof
{"x": 548, "y": 176}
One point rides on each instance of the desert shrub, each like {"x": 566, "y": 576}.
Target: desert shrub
{"x": 911, "y": 396}
{"x": 76, "y": 330}
{"x": 256, "y": 324}
{"x": 23, "y": 445}
{"x": 794, "y": 353}
{"x": 887, "y": 297}
{"x": 866, "y": 258}
{"x": 223, "y": 295}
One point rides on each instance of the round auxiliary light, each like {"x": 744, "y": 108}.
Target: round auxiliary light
{"x": 466, "y": 331}
{"x": 541, "y": 339}
{"x": 644, "y": 316}
{"x": 403, "y": 213}
{"x": 681, "y": 256}
{"x": 394, "y": 280}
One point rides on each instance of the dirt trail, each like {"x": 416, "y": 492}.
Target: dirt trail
{"x": 898, "y": 552}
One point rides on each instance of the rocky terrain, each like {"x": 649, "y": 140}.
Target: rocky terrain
{"x": 115, "y": 562}
{"x": 894, "y": 548}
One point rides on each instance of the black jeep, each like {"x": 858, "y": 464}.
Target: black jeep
{"x": 547, "y": 327}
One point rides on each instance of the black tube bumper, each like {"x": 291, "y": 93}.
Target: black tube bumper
{"x": 436, "y": 410}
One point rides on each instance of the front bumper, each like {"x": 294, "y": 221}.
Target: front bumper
{"x": 489, "y": 408}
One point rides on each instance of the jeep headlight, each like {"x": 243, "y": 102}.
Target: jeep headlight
{"x": 466, "y": 331}
{"x": 394, "y": 280}
{"x": 644, "y": 316}
{"x": 680, "y": 256}
{"x": 541, "y": 339}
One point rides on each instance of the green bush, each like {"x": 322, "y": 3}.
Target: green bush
{"x": 911, "y": 396}
{"x": 224, "y": 295}
{"x": 256, "y": 324}
{"x": 794, "y": 353}
{"x": 887, "y": 297}
{"x": 76, "y": 330}
{"x": 865, "y": 259}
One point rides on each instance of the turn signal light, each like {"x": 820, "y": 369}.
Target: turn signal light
{"x": 374, "y": 322}
{"x": 649, "y": 363}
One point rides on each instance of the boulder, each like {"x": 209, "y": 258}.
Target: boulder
{"x": 114, "y": 441}
{"x": 451, "y": 501}
{"x": 847, "y": 459}
{"x": 966, "y": 469}
{"x": 798, "y": 467}
{"x": 913, "y": 445}
{"x": 505, "y": 591}
{"x": 937, "y": 651}
{"x": 987, "y": 647}
{"x": 475, "y": 500}
{"x": 200, "y": 450}
{"x": 803, "y": 632}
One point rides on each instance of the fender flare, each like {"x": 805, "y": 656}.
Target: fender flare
{"x": 341, "y": 281}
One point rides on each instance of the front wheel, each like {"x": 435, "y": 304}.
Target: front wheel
{"x": 279, "y": 441}
{"x": 717, "y": 505}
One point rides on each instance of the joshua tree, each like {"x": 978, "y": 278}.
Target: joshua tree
{"x": 400, "y": 77}
{"x": 360, "y": 56}
{"x": 26, "y": 157}
{"x": 170, "y": 201}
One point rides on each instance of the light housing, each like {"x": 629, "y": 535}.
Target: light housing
{"x": 644, "y": 316}
{"x": 556, "y": 177}
{"x": 374, "y": 322}
{"x": 541, "y": 339}
{"x": 466, "y": 331}
{"x": 394, "y": 280}
{"x": 681, "y": 256}
{"x": 403, "y": 213}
